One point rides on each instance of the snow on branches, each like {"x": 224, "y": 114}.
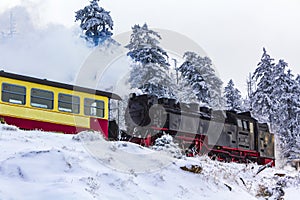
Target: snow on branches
{"x": 95, "y": 22}
{"x": 233, "y": 97}
{"x": 150, "y": 65}
{"x": 199, "y": 74}
{"x": 277, "y": 101}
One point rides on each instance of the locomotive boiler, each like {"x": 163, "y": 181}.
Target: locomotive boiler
{"x": 224, "y": 135}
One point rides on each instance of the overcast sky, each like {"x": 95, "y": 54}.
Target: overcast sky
{"x": 231, "y": 32}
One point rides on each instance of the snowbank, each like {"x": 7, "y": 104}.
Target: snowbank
{"x": 40, "y": 165}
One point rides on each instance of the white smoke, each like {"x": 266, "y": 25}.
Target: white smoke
{"x": 53, "y": 52}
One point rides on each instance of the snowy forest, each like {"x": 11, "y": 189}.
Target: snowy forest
{"x": 273, "y": 93}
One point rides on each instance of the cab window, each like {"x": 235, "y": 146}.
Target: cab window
{"x": 68, "y": 103}
{"x": 94, "y": 107}
{"x": 42, "y": 98}
{"x": 245, "y": 125}
{"x": 15, "y": 94}
{"x": 240, "y": 124}
{"x": 251, "y": 127}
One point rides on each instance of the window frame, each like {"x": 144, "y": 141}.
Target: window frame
{"x": 3, "y": 91}
{"x": 72, "y": 103}
{"x": 88, "y": 107}
{"x": 43, "y": 98}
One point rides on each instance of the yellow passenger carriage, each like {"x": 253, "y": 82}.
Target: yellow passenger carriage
{"x": 32, "y": 103}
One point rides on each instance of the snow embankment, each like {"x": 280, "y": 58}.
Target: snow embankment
{"x": 40, "y": 165}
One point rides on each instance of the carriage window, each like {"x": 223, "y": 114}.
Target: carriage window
{"x": 68, "y": 103}
{"x": 13, "y": 94}
{"x": 42, "y": 98}
{"x": 93, "y": 107}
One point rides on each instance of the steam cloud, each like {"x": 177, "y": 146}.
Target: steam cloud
{"x": 54, "y": 52}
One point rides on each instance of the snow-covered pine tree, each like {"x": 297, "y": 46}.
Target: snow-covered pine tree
{"x": 277, "y": 99}
{"x": 282, "y": 98}
{"x": 296, "y": 98}
{"x": 213, "y": 82}
{"x": 149, "y": 67}
{"x": 232, "y": 97}
{"x": 262, "y": 98}
{"x": 287, "y": 111}
{"x": 200, "y": 75}
{"x": 193, "y": 81}
{"x": 95, "y": 22}
{"x": 291, "y": 145}
{"x": 275, "y": 95}
{"x": 292, "y": 99}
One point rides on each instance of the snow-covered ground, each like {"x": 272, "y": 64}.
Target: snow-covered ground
{"x": 39, "y": 165}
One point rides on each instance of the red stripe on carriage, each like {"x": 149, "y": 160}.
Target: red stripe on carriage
{"x": 98, "y": 125}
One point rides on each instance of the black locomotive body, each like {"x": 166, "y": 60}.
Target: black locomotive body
{"x": 224, "y": 135}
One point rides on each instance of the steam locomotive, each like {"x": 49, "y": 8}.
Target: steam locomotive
{"x": 32, "y": 103}
{"x": 225, "y": 135}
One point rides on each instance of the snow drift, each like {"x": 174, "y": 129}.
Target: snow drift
{"x": 40, "y": 165}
